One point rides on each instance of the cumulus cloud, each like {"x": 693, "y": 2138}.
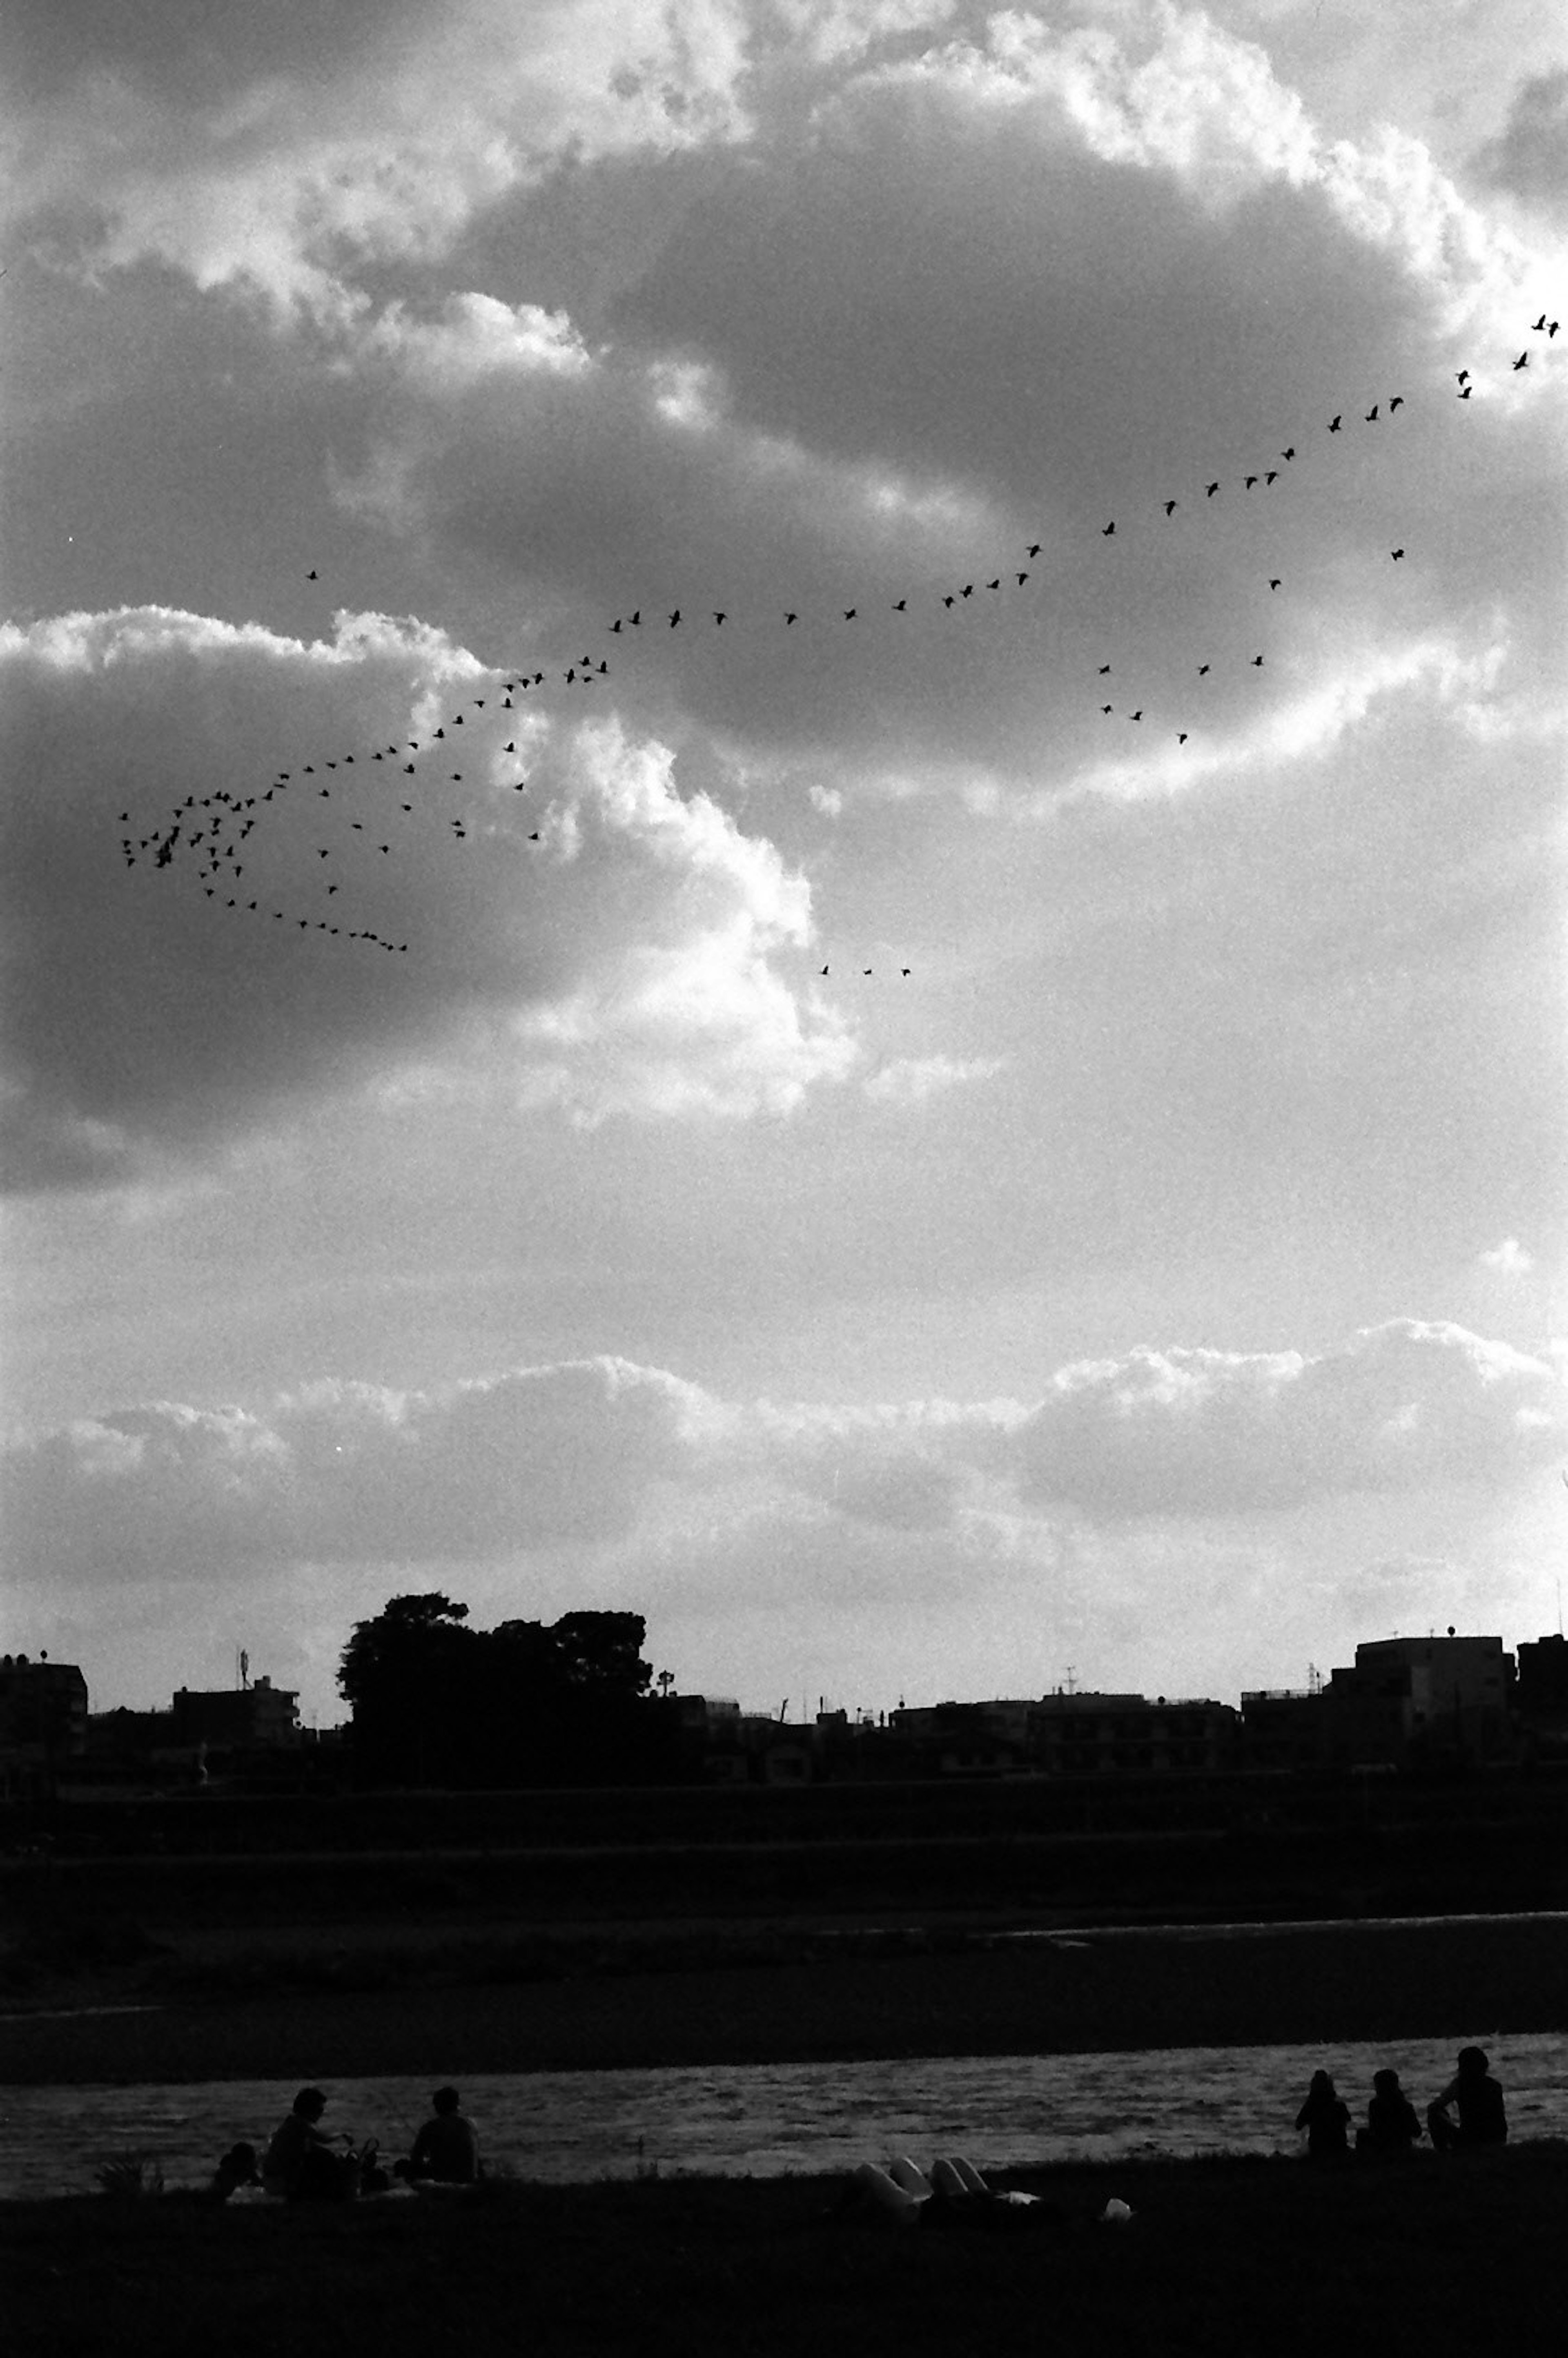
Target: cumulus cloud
{"x": 1162, "y": 1432}
{"x": 626, "y": 961}
{"x": 502, "y": 1465}
{"x": 350, "y": 1473}
{"x": 1069, "y": 1520}
{"x": 1510, "y": 1258}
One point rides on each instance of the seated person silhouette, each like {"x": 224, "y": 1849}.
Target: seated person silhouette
{"x": 1483, "y": 2119}
{"x": 1391, "y": 2123}
{"x": 446, "y": 2150}
{"x": 236, "y": 2168}
{"x": 1326, "y": 2120}
{"x": 299, "y": 2162}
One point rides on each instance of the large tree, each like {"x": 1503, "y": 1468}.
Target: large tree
{"x": 436, "y": 1703}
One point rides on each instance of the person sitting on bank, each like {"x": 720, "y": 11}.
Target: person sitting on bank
{"x": 1391, "y": 2124}
{"x": 236, "y": 2168}
{"x": 1325, "y": 2116}
{"x": 447, "y": 2148}
{"x": 1483, "y": 2118}
{"x": 299, "y": 2162}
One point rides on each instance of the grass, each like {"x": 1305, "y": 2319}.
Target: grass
{"x": 1231, "y": 2256}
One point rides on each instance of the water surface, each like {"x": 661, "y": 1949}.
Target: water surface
{"x": 765, "y": 2120}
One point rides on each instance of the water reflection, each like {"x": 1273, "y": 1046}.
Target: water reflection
{"x": 763, "y": 2120}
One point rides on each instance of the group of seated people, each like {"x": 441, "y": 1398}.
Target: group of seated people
{"x": 302, "y": 2162}
{"x": 1391, "y": 2125}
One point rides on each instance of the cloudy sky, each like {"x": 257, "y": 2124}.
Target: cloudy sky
{"x": 814, "y": 1130}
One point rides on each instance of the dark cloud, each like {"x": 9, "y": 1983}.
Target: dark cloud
{"x": 1528, "y": 158}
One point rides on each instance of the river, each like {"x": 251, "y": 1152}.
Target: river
{"x": 766, "y": 2120}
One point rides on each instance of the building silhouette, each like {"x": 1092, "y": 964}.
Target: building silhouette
{"x": 43, "y": 1723}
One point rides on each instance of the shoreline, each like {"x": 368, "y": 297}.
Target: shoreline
{"x": 1079, "y": 1993}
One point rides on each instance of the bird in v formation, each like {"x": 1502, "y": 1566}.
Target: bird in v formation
{"x": 219, "y": 854}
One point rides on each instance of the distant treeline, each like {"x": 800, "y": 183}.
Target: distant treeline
{"x": 435, "y": 1701}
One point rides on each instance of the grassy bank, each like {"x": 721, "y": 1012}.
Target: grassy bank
{"x": 500, "y": 2002}
{"x": 1222, "y": 2256}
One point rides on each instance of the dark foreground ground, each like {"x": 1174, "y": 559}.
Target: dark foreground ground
{"x": 320, "y": 2007}
{"x": 1221, "y": 2257}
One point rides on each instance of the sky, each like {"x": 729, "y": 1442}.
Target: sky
{"x": 924, "y": 1164}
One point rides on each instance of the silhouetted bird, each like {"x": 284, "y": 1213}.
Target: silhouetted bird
{"x": 1468, "y": 390}
{"x": 1106, "y": 707}
{"x": 1250, "y": 481}
{"x": 1274, "y": 584}
{"x": 1256, "y": 663}
{"x": 1540, "y": 323}
{"x": 1136, "y": 715}
{"x": 1201, "y": 669}
{"x": 899, "y": 605}
{"x": 850, "y": 612}
{"x": 674, "y": 618}
{"x": 1021, "y": 580}
{"x": 1103, "y": 669}
{"x": 947, "y": 602}
{"x": 1333, "y": 424}
{"x": 1211, "y": 490}
{"x": 792, "y": 618}
{"x": 1272, "y": 477}
{"x": 1171, "y": 507}
{"x": 1461, "y": 376}
{"x": 1108, "y": 529}
{"x": 1032, "y": 549}
{"x": 1396, "y": 402}
{"x": 310, "y": 577}
{"x": 720, "y": 619}
{"x": 1396, "y": 553}
{"x": 636, "y": 619}
{"x": 996, "y": 584}
{"x": 968, "y": 591}
{"x": 1181, "y": 736}
{"x": 1289, "y": 453}
{"x": 1522, "y": 361}
{"x": 1371, "y": 417}
{"x": 1552, "y": 330}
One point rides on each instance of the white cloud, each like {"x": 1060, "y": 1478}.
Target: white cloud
{"x": 1510, "y": 1258}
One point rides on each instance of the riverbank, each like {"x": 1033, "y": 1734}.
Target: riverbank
{"x": 1223, "y": 2256}
{"x": 490, "y": 2006}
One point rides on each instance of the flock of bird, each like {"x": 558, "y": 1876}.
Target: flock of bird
{"x": 212, "y": 831}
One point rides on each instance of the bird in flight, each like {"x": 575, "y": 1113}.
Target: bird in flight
{"x": 1333, "y": 424}
{"x": 1211, "y": 490}
{"x": 1540, "y": 323}
{"x": 1171, "y": 506}
{"x": 1396, "y": 554}
{"x": 1397, "y": 402}
{"x": 1466, "y": 393}
{"x": 1461, "y": 376}
{"x": 1372, "y": 415}
{"x": 1522, "y": 361}
{"x": 1109, "y": 530}
{"x": 1274, "y": 584}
